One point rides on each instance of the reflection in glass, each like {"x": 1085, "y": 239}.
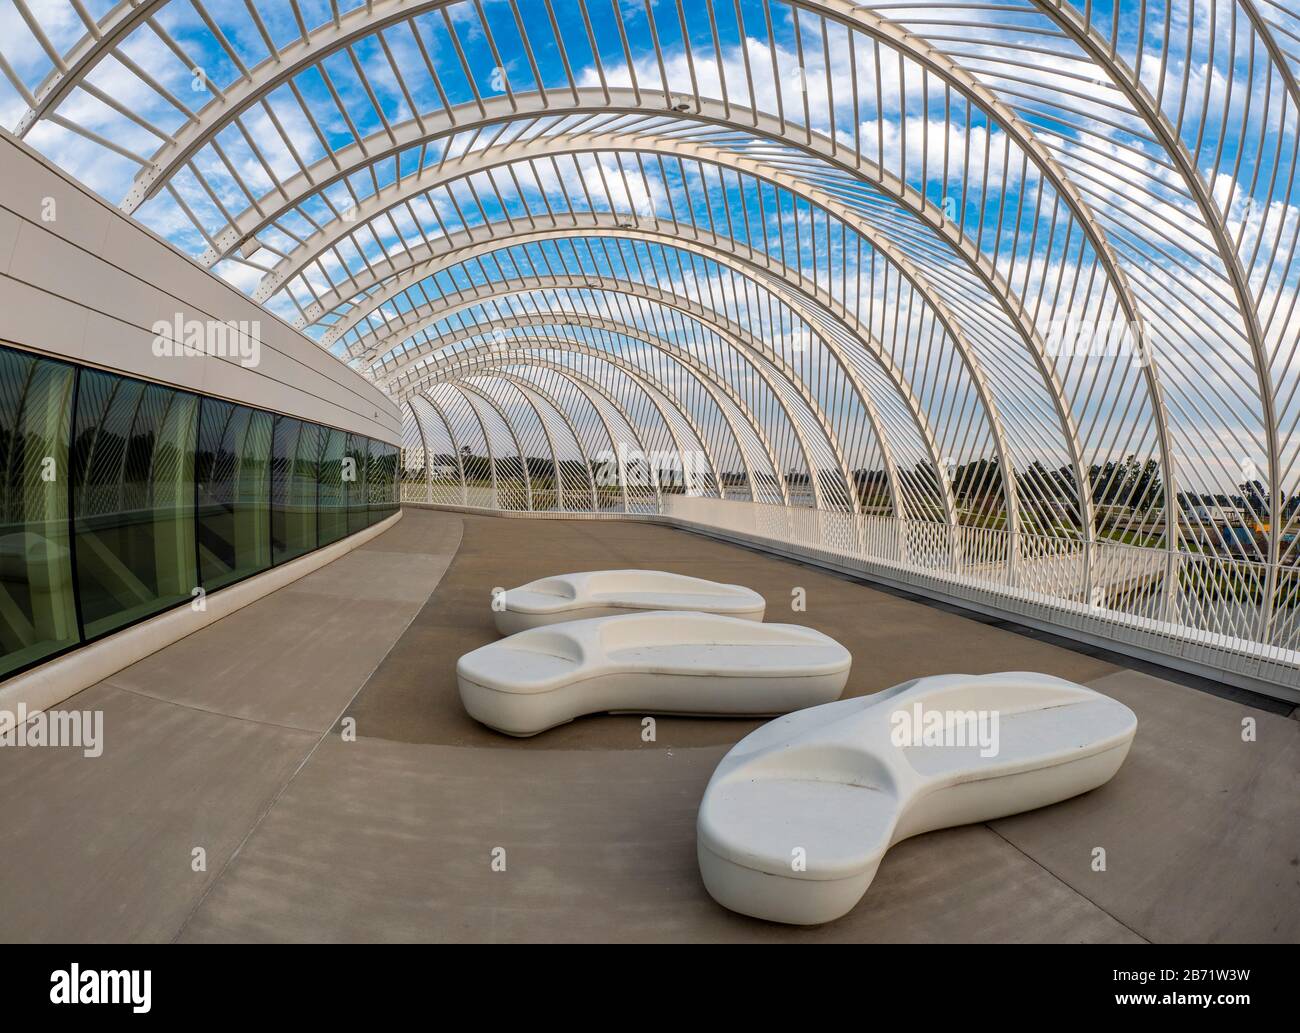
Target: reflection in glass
{"x": 331, "y": 497}
{"x": 358, "y": 509}
{"x": 38, "y": 613}
{"x": 232, "y": 470}
{"x": 133, "y": 499}
{"x": 294, "y": 456}
{"x": 382, "y": 480}
{"x": 170, "y": 493}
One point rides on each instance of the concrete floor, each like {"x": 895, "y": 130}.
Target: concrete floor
{"x": 231, "y": 741}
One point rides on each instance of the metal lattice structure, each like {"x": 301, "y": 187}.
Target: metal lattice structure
{"x": 1004, "y": 294}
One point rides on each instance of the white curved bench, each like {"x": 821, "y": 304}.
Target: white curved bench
{"x": 662, "y": 662}
{"x": 604, "y": 593}
{"x": 835, "y": 786}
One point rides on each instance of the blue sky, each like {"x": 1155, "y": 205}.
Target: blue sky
{"x": 1157, "y": 235}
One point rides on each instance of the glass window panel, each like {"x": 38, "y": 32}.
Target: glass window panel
{"x": 374, "y": 481}
{"x": 170, "y": 491}
{"x": 388, "y": 497}
{"x": 38, "y": 613}
{"x": 306, "y": 477}
{"x": 133, "y": 499}
{"x": 355, "y": 482}
{"x": 233, "y": 472}
{"x": 331, "y": 499}
{"x": 293, "y": 488}
{"x": 394, "y": 467}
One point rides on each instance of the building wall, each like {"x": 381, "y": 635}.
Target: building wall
{"x": 81, "y": 281}
{"x": 137, "y": 477}
{"x": 121, "y": 499}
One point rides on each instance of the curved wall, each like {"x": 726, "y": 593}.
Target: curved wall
{"x": 120, "y": 499}
{"x": 161, "y": 437}
{"x": 81, "y": 281}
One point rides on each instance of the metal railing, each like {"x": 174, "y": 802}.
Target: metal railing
{"x": 1194, "y": 611}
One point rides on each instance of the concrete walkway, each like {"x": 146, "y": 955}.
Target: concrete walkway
{"x": 199, "y": 740}
{"x": 394, "y": 836}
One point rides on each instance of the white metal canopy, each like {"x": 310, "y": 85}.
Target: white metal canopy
{"x": 1026, "y": 267}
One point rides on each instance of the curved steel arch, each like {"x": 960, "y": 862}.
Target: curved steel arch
{"x": 1266, "y": 31}
{"x": 502, "y": 108}
{"x": 487, "y": 443}
{"x": 465, "y": 369}
{"x": 577, "y": 386}
{"x": 635, "y": 372}
{"x": 501, "y": 415}
{"x": 460, "y": 465}
{"x": 456, "y": 446}
{"x": 982, "y": 267}
{"x": 735, "y": 257}
{"x": 550, "y": 444}
{"x": 627, "y": 102}
{"x": 860, "y": 389}
{"x": 1124, "y": 212}
{"x": 104, "y": 35}
{"x": 451, "y": 435}
{"x": 424, "y": 444}
{"x": 423, "y": 261}
{"x": 72, "y": 67}
{"x": 1125, "y": 79}
{"x": 529, "y": 388}
{"x": 706, "y": 377}
{"x": 716, "y": 387}
{"x": 728, "y": 332}
{"x": 739, "y": 339}
{"x": 447, "y": 374}
{"x": 463, "y": 374}
{"x": 733, "y": 330}
{"x": 81, "y": 59}
{"x": 496, "y": 155}
{"x": 309, "y": 50}
{"x": 428, "y": 177}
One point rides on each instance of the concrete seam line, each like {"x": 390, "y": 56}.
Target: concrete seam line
{"x": 1073, "y": 889}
